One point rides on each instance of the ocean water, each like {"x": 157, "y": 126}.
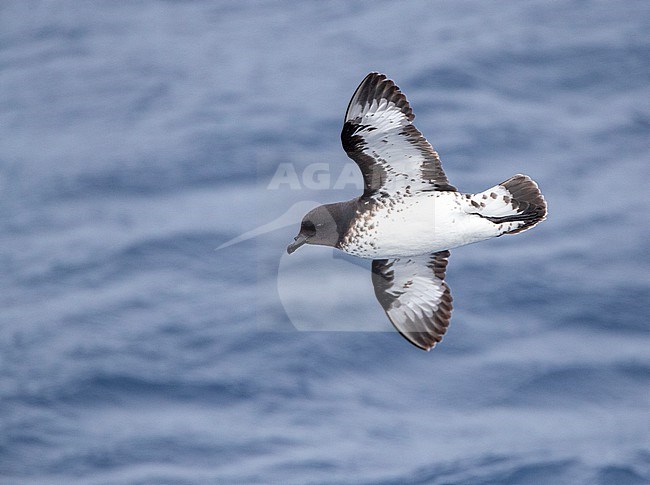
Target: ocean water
{"x": 138, "y": 137}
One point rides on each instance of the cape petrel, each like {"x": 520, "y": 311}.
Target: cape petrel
{"x": 409, "y": 215}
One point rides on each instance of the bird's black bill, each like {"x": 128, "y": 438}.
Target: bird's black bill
{"x": 298, "y": 241}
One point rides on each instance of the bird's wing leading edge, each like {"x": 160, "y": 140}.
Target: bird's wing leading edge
{"x": 379, "y": 136}
{"x": 415, "y": 296}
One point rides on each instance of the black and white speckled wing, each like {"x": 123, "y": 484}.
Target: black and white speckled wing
{"x": 379, "y": 136}
{"x": 415, "y": 296}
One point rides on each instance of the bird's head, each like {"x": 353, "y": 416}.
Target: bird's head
{"x": 317, "y": 227}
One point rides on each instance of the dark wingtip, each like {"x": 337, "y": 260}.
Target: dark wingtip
{"x": 377, "y": 85}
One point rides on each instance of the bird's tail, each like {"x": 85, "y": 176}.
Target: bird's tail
{"x": 517, "y": 199}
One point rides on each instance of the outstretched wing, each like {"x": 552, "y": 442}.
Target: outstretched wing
{"x": 415, "y": 296}
{"x": 391, "y": 153}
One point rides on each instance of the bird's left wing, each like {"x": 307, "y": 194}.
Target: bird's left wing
{"x": 379, "y": 136}
{"x": 415, "y": 296}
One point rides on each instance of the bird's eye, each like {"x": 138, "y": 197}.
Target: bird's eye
{"x": 308, "y": 226}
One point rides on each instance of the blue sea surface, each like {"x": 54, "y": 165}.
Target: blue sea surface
{"x": 138, "y": 137}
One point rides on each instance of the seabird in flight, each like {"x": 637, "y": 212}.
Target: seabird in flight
{"x": 409, "y": 215}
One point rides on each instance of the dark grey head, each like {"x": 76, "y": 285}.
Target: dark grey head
{"x": 325, "y": 226}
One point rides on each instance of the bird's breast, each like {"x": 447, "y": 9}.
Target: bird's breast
{"x": 408, "y": 226}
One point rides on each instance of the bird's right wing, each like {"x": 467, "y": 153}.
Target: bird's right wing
{"x": 415, "y": 296}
